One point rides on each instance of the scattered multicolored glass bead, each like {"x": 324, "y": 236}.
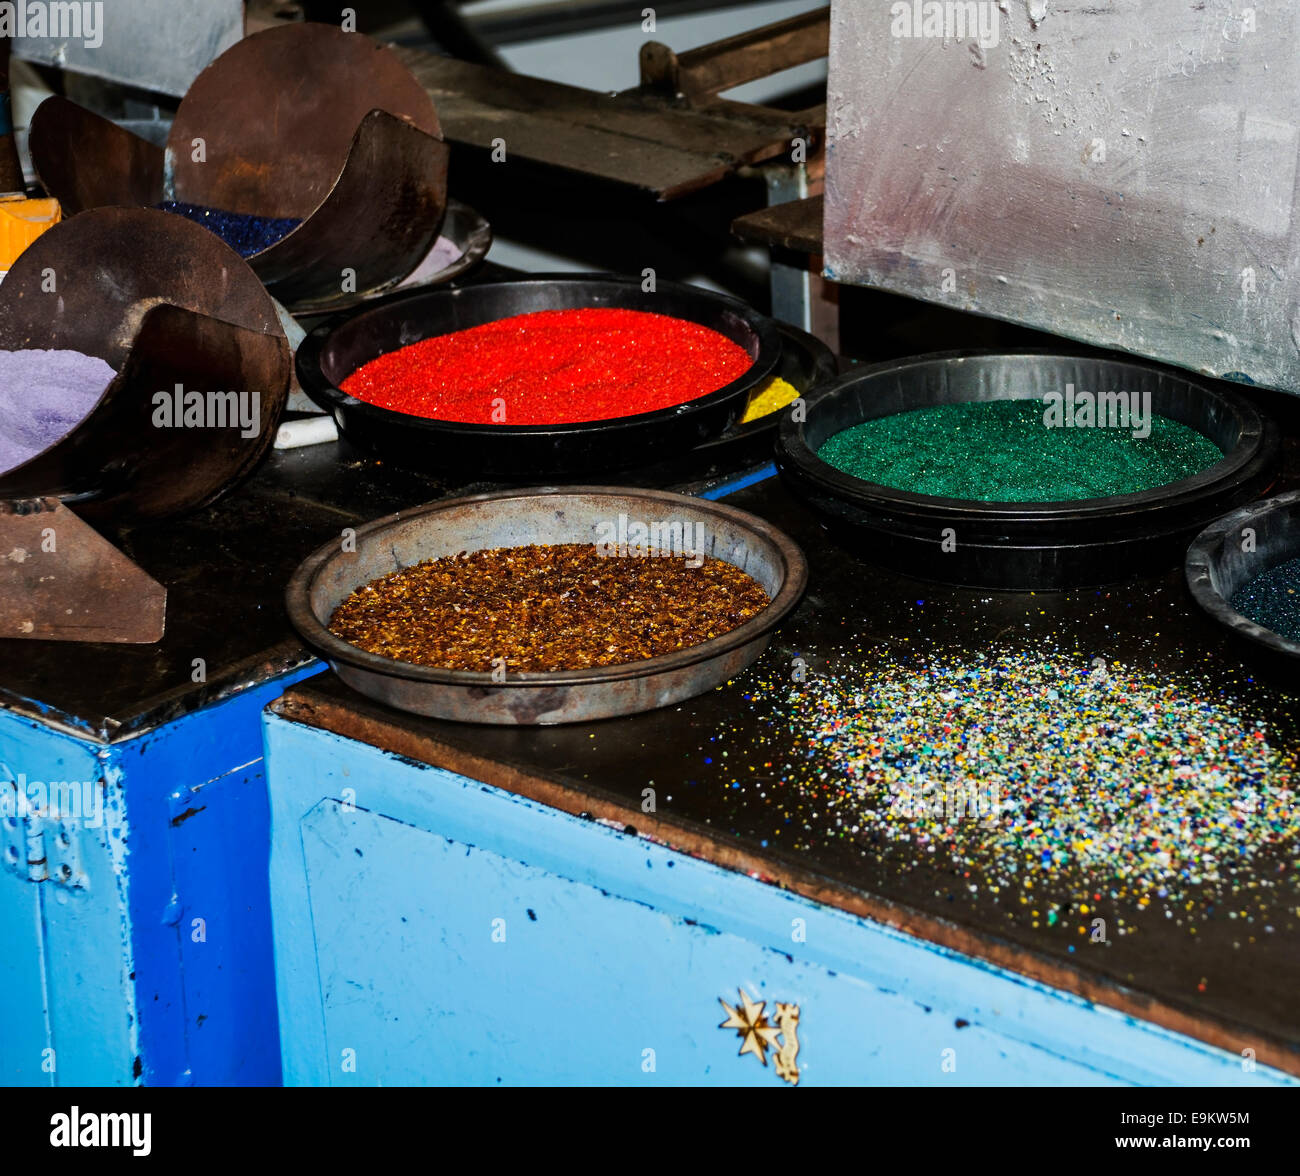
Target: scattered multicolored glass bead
{"x": 1049, "y": 784}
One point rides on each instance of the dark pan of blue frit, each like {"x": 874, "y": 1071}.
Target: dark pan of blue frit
{"x": 1244, "y": 571}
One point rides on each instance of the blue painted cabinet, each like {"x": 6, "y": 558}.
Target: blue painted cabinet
{"x": 134, "y": 914}
{"x": 431, "y": 929}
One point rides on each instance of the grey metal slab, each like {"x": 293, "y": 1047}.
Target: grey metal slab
{"x": 159, "y": 45}
{"x": 1122, "y": 173}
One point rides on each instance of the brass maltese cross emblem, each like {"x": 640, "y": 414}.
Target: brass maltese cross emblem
{"x": 758, "y": 1034}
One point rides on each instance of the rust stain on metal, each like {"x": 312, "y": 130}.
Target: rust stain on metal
{"x": 181, "y": 818}
{"x": 81, "y": 588}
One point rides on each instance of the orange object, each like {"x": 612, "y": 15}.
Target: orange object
{"x": 22, "y": 220}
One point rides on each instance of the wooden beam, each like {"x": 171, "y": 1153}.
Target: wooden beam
{"x": 638, "y": 139}
{"x": 796, "y": 226}
{"x": 732, "y": 62}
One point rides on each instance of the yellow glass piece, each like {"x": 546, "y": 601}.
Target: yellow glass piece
{"x": 22, "y": 220}
{"x": 771, "y": 397}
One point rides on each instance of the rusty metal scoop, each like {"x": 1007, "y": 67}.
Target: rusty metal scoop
{"x": 302, "y": 121}
{"x": 203, "y": 374}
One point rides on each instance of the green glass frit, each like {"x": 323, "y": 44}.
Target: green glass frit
{"x": 1003, "y": 451}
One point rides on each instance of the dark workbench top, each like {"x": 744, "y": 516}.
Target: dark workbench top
{"x": 1203, "y": 984}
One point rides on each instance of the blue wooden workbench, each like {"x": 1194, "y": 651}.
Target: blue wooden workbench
{"x": 432, "y": 929}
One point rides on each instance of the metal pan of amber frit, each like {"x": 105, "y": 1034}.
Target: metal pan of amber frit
{"x": 540, "y": 607}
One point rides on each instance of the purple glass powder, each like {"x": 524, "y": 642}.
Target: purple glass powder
{"x": 443, "y": 253}
{"x": 44, "y": 395}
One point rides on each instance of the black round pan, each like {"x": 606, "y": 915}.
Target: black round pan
{"x": 334, "y": 350}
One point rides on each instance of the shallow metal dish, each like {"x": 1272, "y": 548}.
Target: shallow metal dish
{"x": 513, "y": 518}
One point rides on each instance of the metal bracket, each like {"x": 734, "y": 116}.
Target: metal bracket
{"x": 36, "y": 847}
{"x": 63, "y": 855}
{"x": 792, "y": 292}
{"x": 800, "y": 295}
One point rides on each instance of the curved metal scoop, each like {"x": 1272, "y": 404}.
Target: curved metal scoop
{"x": 302, "y": 121}
{"x": 167, "y": 305}
{"x": 202, "y": 378}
